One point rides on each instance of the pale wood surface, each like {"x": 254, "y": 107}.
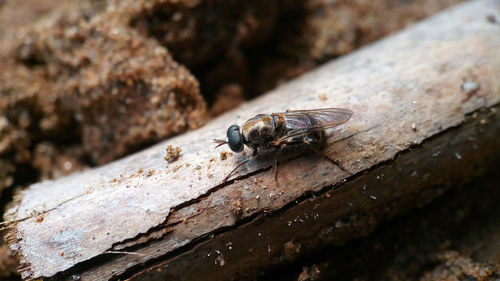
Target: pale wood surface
{"x": 403, "y": 90}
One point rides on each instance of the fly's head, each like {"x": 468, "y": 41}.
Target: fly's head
{"x": 234, "y": 139}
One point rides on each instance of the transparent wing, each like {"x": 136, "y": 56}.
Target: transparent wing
{"x": 302, "y": 122}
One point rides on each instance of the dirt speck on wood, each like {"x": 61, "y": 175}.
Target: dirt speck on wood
{"x": 172, "y": 154}
{"x": 225, "y": 154}
{"x": 237, "y": 207}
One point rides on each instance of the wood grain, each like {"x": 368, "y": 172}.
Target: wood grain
{"x": 175, "y": 219}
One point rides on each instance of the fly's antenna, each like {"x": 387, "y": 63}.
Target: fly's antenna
{"x": 219, "y": 143}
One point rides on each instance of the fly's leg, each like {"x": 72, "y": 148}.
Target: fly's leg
{"x": 275, "y": 167}
{"x": 234, "y": 170}
{"x": 322, "y": 154}
{"x": 254, "y": 154}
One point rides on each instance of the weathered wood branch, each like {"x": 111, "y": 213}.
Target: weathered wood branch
{"x": 409, "y": 140}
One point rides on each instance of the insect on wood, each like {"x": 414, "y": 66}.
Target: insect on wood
{"x": 275, "y": 131}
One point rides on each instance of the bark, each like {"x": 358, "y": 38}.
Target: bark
{"x": 424, "y": 121}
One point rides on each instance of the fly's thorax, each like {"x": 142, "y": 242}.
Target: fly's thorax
{"x": 258, "y": 130}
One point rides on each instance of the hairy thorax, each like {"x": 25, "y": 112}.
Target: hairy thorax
{"x": 258, "y": 131}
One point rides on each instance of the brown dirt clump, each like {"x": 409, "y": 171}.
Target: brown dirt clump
{"x": 62, "y": 161}
{"x": 89, "y": 84}
{"x": 322, "y": 30}
{"x": 259, "y": 44}
{"x": 172, "y": 154}
{"x": 229, "y": 97}
{"x": 454, "y": 266}
{"x": 123, "y": 90}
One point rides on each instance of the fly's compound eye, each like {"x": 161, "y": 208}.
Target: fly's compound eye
{"x": 234, "y": 138}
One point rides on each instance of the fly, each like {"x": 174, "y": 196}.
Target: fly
{"x": 277, "y": 130}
